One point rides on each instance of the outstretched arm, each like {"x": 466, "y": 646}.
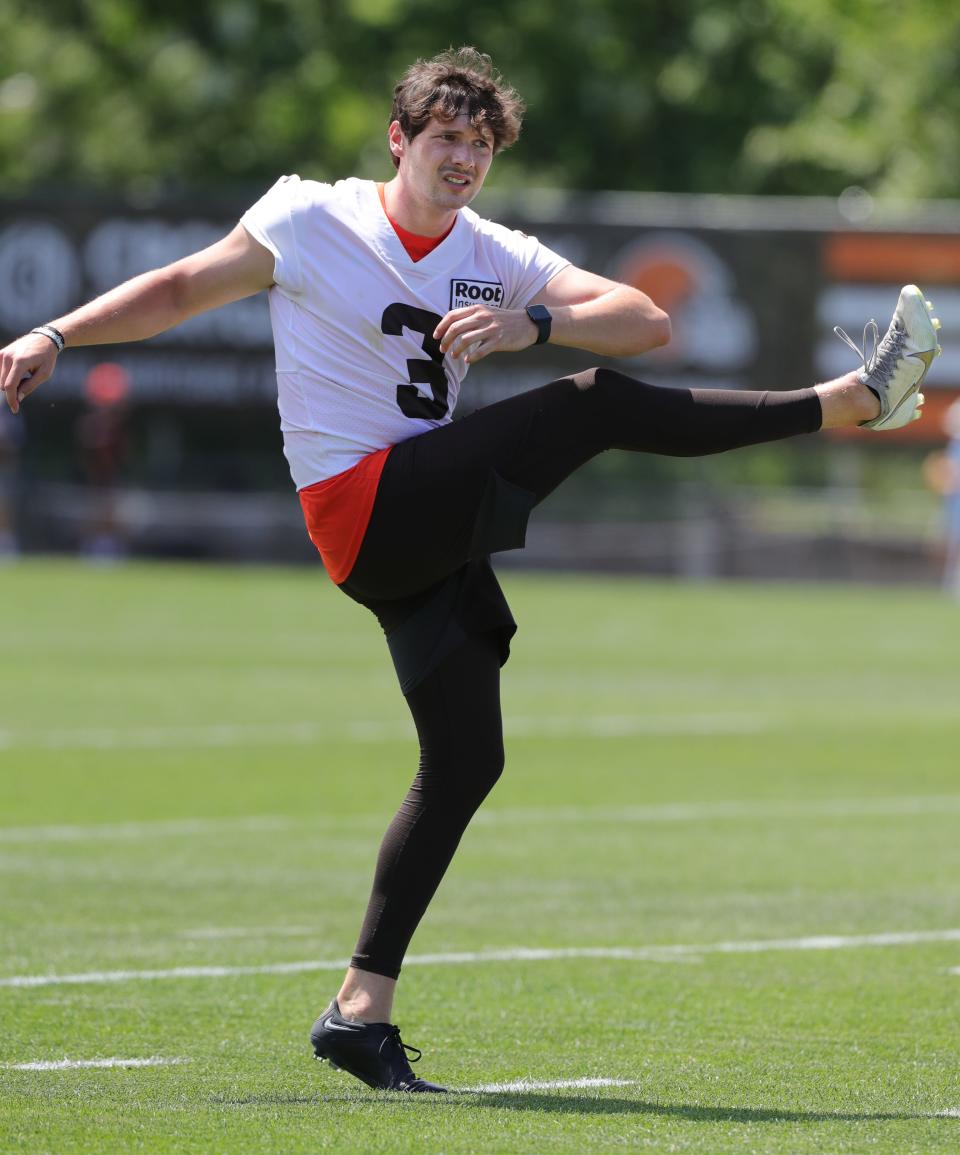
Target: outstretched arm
{"x": 589, "y": 312}
{"x": 235, "y": 267}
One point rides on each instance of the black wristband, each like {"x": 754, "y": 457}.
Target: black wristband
{"x": 54, "y": 334}
{"x": 540, "y": 316}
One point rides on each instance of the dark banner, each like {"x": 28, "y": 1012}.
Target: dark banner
{"x": 753, "y": 305}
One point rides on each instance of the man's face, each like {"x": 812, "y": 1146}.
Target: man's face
{"x": 445, "y": 164}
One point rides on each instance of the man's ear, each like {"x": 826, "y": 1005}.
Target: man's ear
{"x": 396, "y": 139}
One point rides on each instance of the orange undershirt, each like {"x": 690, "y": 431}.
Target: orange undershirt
{"x": 417, "y": 247}
{"x": 337, "y": 510}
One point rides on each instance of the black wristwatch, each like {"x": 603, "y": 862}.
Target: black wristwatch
{"x": 540, "y": 316}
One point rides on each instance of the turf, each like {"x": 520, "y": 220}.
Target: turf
{"x": 196, "y": 764}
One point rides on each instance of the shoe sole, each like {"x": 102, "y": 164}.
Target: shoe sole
{"x": 354, "y": 1074}
{"x": 927, "y": 355}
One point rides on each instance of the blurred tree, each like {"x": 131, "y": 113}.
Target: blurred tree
{"x": 778, "y": 96}
{"x": 884, "y": 113}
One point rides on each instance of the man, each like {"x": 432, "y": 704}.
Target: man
{"x": 369, "y": 295}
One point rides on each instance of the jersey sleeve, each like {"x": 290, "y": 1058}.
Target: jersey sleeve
{"x": 273, "y": 221}
{"x": 529, "y": 266}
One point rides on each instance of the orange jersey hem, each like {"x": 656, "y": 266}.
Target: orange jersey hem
{"x": 337, "y": 512}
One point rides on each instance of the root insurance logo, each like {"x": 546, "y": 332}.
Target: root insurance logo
{"x": 475, "y": 293}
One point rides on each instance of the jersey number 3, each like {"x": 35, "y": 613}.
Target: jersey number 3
{"x": 412, "y": 403}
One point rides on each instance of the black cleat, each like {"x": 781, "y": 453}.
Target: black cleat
{"x": 374, "y": 1053}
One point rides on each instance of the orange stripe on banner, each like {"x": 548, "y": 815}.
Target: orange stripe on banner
{"x": 873, "y": 257}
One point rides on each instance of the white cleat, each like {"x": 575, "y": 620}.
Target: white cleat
{"x": 898, "y": 363}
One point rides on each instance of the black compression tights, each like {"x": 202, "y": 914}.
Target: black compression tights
{"x": 456, "y": 709}
{"x": 534, "y": 441}
{"x": 423, "y": 521}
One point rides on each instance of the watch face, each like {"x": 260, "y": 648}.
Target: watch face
{"x": 540, "y": 315}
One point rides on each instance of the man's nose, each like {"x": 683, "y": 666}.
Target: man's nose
{"x": 462, "y": 154}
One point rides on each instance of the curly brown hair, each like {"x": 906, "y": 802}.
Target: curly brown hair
{"x": 457, "y": 81}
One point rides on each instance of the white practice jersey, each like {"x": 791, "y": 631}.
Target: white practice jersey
{"x": 353, "y": 316}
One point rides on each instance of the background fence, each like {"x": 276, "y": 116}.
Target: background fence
{"x": 171, "y": 447}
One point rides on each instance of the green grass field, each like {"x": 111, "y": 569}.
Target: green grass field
{"x": 754, "y": 792}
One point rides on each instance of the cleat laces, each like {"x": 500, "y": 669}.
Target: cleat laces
{"x": 414, "y": 1054}
{"x": 895, "y": 365}
{"x": 408, "y": 1081}
{"x": 884, "y": 355}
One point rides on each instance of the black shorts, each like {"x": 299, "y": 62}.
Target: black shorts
{"x": 443, "y": 505}
{"x": 424, "y": 629}
{"x": 475, "y": 513}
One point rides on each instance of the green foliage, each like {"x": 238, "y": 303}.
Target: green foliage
{"x": 778, "y": 96}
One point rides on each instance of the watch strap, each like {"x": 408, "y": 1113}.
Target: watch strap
{"x": 540, "y": 315}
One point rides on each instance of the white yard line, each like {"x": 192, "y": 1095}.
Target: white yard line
{"x": 197, "y": 972}
{"x": 553, "y": 1085}
{"x": 73, "y": 1064}
{"x": 519, "y": 1086}
{"x": 633, "y": 725}
{"x": 222, "y": 932}
{"x": 134, "y": 831}
{"x": 820, "y": 942}
{"x": 231, "y": 734}
{"x": 895, "y": 806}
{"x": 216, "y": 735}
{"x": 666, "y": 953}
{"x": 912, "y": 804}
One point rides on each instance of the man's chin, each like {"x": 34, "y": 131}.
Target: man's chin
{"x": 452, "y": 197}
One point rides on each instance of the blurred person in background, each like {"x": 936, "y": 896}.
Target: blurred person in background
{"x": 102, "y": 444}
{"x": 381, "y": 297}
{"x": 942, "y": 473}
{"x": 11, "y": 436}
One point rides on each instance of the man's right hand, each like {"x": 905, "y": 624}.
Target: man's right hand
{"x": 25, "y": 364}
